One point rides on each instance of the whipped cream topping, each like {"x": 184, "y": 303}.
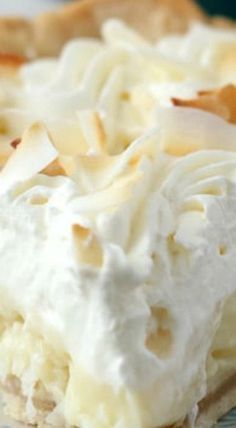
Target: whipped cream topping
{"x": 104, "y": 93}
{"x": 125, "y": 261}
{"x": 211, "y": 49}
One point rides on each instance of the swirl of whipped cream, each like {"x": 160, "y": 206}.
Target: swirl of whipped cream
{"x": 213, "y": 49}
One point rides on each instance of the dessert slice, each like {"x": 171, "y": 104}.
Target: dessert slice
{"x": 117, "y": 220}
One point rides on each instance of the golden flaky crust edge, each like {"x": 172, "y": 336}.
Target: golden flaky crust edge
{"x": 47, "y": 33}
{"x": 213, "y": 406}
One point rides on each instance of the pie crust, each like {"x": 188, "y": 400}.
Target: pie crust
{"x": 211, "y": 407}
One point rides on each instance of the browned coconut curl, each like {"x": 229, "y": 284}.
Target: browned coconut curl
{"x": 221, "y": 102}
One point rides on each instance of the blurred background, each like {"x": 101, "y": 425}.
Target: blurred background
{"x": 26, "y": 7}
{"x": 31, "y": 7}
{"x": 220, "y": 7}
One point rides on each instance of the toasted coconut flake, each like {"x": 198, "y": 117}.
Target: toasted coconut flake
{"x": 186, "y": 130}
{"x": 88, "y": 249}
{"x": 54, "y": 168}
{"x": 99, "y": 171}
{"x": 68, "y": 137}
{"x": 35, "y": 152}
{"x": 93, "y": 130}
{"x": 220, "y": 101}
{"x": 91, "y": 171}
{"x": 81, "y": 232}
{"x": 100, "y": 131}
{"x": 15, "y": 142}
{"x": 68, "y": 164}
{"x": 110, "y": 198}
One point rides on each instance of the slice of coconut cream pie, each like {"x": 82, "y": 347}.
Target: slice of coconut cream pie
{"x": 118, "y": 232}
